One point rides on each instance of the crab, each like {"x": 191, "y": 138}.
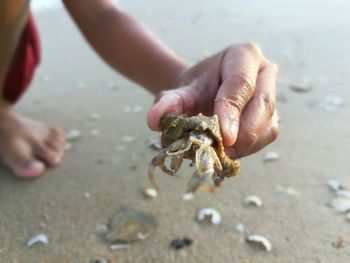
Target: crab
{"x": 198, "y": 139}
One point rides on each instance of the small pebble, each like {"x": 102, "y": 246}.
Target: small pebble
{"x": 41, "y": 238}
{"x": 99, "y": 261}
{"x": 87, "y": 195}
{"x": 252, "y": 200}
{"x": 339, "y": 243}
{"x": 271, "y": 156}
{"x": 260, "y": 242}
{"x": 180, "y": 243}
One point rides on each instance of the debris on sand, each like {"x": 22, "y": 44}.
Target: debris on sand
{"x": 187, "y": 197}
{"x": 209, "y": 214}
{"x": 341, "y": 204}
{"x": 94, "y": 132}
{"x": 252, "y": 200}
{"x": 260, "y": 242}
{"x": 120, "y": 246}
{"x": 111, "y": 86}
{"x": 40, "y": 238}
{"x": 339, "y": 243}
{"x": 343, "y": 193}
{"x": 301, "y": 88}
{"x": 150, "y": 193}
{"x": 73, "y": 135}
{"x": 130, "y": 225}
{"x": 180, "y": 243}
{"x": 68, "y": 146}
{"x": 271, "y": 156}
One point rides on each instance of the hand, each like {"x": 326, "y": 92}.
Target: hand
{"x": 238, "y": 84}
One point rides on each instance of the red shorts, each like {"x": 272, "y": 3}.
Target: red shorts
{"x": 24, "y": 61}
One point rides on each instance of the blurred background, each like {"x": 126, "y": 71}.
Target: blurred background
{"x": 106, "y": 167}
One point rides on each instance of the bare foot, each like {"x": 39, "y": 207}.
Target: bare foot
{"x": 27, "y": 147}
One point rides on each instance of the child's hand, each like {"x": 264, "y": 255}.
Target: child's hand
{"x": 237, "y": 84}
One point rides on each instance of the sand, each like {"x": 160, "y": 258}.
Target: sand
{"x": 102, "y": 173}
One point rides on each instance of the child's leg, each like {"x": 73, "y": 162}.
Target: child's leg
{"x": 26, "y": 146}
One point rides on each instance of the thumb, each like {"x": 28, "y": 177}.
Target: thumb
{"x": 232, "y": 97}
{"x": 166, "y": 102}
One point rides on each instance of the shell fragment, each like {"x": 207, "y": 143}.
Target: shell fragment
{"x": 260, "y": 241}
{"x": 271, "y": 156}
{"x": 252, "y": 200}
{"x": 334, "y": 185}
{"x": 73, "y": 135}
{"x": 41, "y": 238}
{"x": 209, "y": 214}
{"x": 150, "y": 192}
{"x": 239, "y": 228}
{"x": 341, "y": 204}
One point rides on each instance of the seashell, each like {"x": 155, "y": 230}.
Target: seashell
{"x": 120, "y": 246}
{"x": 41, "y": 238}
{"x": 334, "y": 100}
{"x": 73, "y": 135}
{"x": 260, "y": 241}
{"x": 130, "y": 225}
{"x": 330, "y": 108}
{"x": 301, "y": 88}
{"x": 187, "y": 197}
{"x": 343, "y": 193}
{"x": 288, "y": 190}
{"x": 334, "y": 185}
{"x": 252, "y": 200}
{"x": 341, "y": 204}
{"x": 271, "y": 156}
{"x": 101, "y": 229}
{"x": 209, "y": 214}
{"x": 150, "y": 192}
{"x": 239, "y": 228}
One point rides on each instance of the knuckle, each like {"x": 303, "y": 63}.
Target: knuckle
{"x": 250, "y": 138}
{"x": 268, "y": 103}
{"x": 253, "y": 48}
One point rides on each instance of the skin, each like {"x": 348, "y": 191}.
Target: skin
{"x": 237, "y": 84}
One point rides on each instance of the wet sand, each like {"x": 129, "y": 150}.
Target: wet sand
{"x": 309, "y": 42}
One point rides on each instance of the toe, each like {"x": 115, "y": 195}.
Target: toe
{"x": 57, "y": 134}
{"x": 20, "y": 161}
{"x": 48, "y": 155}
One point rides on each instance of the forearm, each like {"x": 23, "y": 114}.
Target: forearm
{"x": 130, "y": 48}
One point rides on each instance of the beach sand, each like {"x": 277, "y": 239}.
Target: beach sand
{"x": 100, "y": 174}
